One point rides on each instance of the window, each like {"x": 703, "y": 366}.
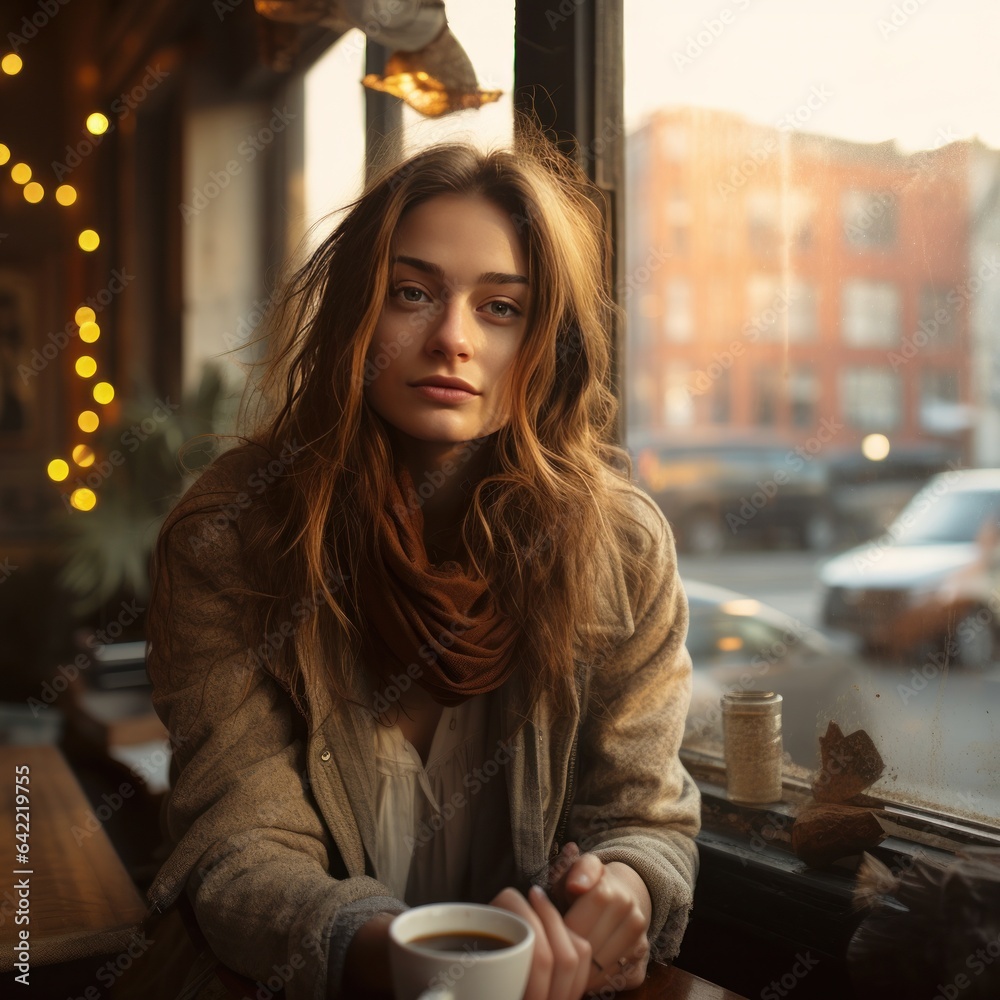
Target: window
{"x": 674, "y": 143}
{"x": 720, "y": 402}
{"x": 872, "y": 399}
{"x": 719, "y": 305}
{"x": 869, "y": 219}
{"x": 803, "y": 392}
{"x": 941, "y": 411}
{"x": 939, "y": 309}
{"x": 334, "y": 159}
{"x": 678, "y": 403}
{"x": 870, "y": 314}
{"x": 775, "y": 307}
{"x": 678, "y": 323}
{"x": 678, "y": 221}
{"x": 851, "y": 216}
{"x": 801, "y": 208}
{"x": 763, "y": 221}
{"x": 765, "y": 397}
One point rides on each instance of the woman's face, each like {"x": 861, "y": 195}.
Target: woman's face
{"x": 456, "y": 308}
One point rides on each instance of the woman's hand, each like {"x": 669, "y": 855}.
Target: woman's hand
{"x": 608, "y": 906}
{"x": 560, "y": 965}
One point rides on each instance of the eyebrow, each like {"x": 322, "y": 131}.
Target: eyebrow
{"x": 486, "y": 278}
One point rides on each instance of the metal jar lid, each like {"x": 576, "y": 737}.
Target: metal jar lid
{"x": 752, "y": 702}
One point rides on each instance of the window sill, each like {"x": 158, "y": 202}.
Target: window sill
{"x": 760, "y": 911}
{"x": 911, "y": 824}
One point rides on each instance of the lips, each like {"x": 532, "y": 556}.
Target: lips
{"x": 446, "y": 382}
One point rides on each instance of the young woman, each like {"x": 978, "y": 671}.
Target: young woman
{"x": 419, "y": 638}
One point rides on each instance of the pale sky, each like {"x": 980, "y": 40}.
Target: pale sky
{"x": 939, "y": 71}
{"x": 932, "y": 76}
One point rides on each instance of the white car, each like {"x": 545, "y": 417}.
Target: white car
{"x": 929, "y": 586}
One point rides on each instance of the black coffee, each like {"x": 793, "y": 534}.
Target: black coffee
{"x": 462, "y": 941}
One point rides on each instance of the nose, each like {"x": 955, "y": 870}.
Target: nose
{"x": 450, "y": 334}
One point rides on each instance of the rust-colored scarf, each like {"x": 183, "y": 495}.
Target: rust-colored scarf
{"x": 432, "y": 623}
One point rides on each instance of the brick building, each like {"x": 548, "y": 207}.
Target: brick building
{"x": 781, "y": 282}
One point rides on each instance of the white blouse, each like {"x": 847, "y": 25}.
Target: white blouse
{"x": 441, "y": 826}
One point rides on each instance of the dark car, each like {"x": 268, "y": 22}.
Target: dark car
{"x": 720, "y": 494}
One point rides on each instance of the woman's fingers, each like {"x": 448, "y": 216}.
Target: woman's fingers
{"x": 607, "y": 914}
{"x": 570, "y": 952}
{"x": 541, "y": 957}
{"x": 561, "y": 960}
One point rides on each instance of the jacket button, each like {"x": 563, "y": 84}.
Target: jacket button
{"x": 325, "y": 755}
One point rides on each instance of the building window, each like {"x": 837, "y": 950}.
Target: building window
{"x": 937, "y": 314}
{"x": 720, "y": 399}
{"x": 765, "y": 397}
{"x": 763, "y": 222}
{"x": 674, "y": 143}
{"x": 870, "y": 315}
{"x": 870, "y": 219}
{"x": 678, "y": 403}
{"x": 803, "y": 392}
{"x": 678, "y": 323}
{"x": 717, "y": 311}
{"x": 774, "y": 306}
{"x": 871, "y": 399}
{"x": 800, "y": 212}
{"x": 941, "y": 412}
{"x": 679, "y": 222}
{"x": 645, "y": 408}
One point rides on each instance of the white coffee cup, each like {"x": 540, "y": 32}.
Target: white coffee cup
{"x": 423, "y": 972}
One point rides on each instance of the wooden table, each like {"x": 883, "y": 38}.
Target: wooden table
{"x": 82, "y": 901}
{"x": 667, "y": 982}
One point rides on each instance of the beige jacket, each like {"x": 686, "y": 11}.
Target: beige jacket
{"x": 271, "y": 815}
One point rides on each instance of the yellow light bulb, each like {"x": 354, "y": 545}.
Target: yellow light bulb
{"x": 88, "y": 240}
{"x": 34, "y": 192}
{"x": 20, "y": 173}
{"x": 83, "y": 455}
{"x": 4, "y": 154}
{"x": 58, "y": 470}
{"x": 65, "y": 194}
{"x": 97, "y": 124}
{"x": 104, "y": 392}
{"x": 89, "y": 331}
{"x": 84, "y": 315}
{"x": 85, "y": 366}
{"x": 11, "y": 64}
{"x": 88, "y": 421}
{"x": 83, "y": 499}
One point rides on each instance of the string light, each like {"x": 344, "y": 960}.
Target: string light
{"x": 89, "y": 332}
{"x": 83, "y": 455}
{"x": 88, "y": 240}
{"x": 83, "y": 499}
{"x": 58, "y": 470}
{"x": 88, "y": 421}
{"x": 4, "y": 154}
{"x": 104, "y": 392}
{"x": 65, "y": 194}
{"x": 34, "y": 192}
{"x": 84, "y": 315}
{"x": 20, "y": 173}
{"x": 85, "y": 366}
{"x": 97, "y": 124}
{"x": 11, "y": 64}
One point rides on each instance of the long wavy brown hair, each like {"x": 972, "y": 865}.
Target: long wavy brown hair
{"x": 549, "y": 505}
